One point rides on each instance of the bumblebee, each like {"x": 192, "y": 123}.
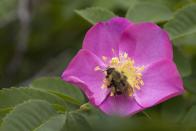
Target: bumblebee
{"x": 117, "y": 82}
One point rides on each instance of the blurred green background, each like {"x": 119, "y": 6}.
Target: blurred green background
{"x": 39, "y": 37}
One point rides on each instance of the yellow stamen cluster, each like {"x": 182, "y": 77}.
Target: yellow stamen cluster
{"x": 125, "y": 65}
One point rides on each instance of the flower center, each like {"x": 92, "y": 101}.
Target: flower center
{"x": 121, "y": 76}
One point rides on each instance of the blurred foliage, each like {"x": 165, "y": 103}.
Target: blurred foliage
{"x": 54, "y": 33}
{"x": 95, "y": 14}
{"x": 41, "y": 108}
{"x": 148, "y": 11}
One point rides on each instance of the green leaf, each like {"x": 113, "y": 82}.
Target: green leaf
{"x": 76, "y": 122}
{"x": 55, "y": 123}
{"x": 193, "y": 65}
{"x": 190, "y": 118}
{"x": 28, "y": 116}
{"x": 113, "y": 4}
{"x": 13, "y": 96}
{"x": 70, "y": 121}
{"x": 148, "y": 11}
{"x": 95, "y": 14}
{"x": 172, "y": 4}
{"x": 174, "y": 109}
{"x": 187, "y": 44}
{"x": 3, "y": 113}
{"x": 58, "y": 87}
{"x": 93, "y": 115}
{"x": 190, "y": 84}
{"x": 67, "y": 98}
{"x": 59, "y": 108}
{"x": 182, "y": 62}
{"x": 183, "y": 23}
{"x": 91, "y": 112}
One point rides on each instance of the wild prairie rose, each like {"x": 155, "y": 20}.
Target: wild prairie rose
{"x": 124, "y": 67}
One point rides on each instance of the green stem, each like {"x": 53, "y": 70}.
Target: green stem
{"x": 146, "y": 114}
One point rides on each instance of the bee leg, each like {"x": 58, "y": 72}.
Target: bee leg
{"x": 112, "y": 91}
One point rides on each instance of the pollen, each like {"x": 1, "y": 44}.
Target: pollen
{"x": 113, "y": 51}
{"x": 130, "y": 76}
{"x": 97, "y": 68}
{"x": 114, "y": 61}
{"x": 104, "y": 58}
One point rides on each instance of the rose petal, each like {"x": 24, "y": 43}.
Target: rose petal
{"x": 146, "y": 43}
{"x": 120, "y": 105}
{"x": 162, "y": 81}
{"x": 104, "y": 37}
{"x": 81, "y": 72}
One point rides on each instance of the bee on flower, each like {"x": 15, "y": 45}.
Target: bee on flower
{"x": 124, "y": 67}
